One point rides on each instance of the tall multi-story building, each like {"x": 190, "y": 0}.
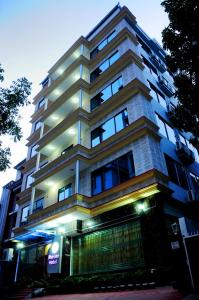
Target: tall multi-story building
{"x": 107, "y": 176}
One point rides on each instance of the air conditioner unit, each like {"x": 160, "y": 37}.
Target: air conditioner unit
{"x": 170, "y": 110}
{"x": 184, "y": 153}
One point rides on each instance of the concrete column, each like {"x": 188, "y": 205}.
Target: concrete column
{"x": 77, "y": 177}
{"x": 79, "y": 138}
{"x": 80, "y": 98}
{"x": 32, "y": 199}
{"x": 71, "y": 256}
{"x": 81, "y": 71}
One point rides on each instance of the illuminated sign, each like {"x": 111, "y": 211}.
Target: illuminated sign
{"x": 55, "y": 256}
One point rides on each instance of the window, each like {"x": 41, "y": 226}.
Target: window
{"x": 41, "y": 103}
{"x": 65, "y": 192}
{"x": 195, "y": 151}
{"x": 29, "y": 180}
{"x": 113, "y": 173}
{"x": 102, "y": 44}
{"x": 144, "y": 46}
{"x": 45, "y": 82}
{"x": 24, "y": 214}
{"x": 165, "y": 129}
{"x": 177, "y": 172}
{"x": 106, "y": 93}
{"x": 37, "y": 125}
{"x": 38, "y": 204}
{"x": 104, "y": 66}
{"x": 150, "y": 67}
{"x": 33, "y": 151}
{"x": 157, "y": 95}
{"x": 109, "y": 128}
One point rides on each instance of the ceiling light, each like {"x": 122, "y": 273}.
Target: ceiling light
{"x": 71, "y": 131}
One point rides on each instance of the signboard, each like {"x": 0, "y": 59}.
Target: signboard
{"x": 55, "y": 256}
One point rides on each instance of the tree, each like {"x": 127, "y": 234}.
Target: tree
{"x": 181, "y": 39}
{"x": 11, "y": 99}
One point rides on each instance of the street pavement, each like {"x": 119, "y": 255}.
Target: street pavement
{"x": 161, "y": 293}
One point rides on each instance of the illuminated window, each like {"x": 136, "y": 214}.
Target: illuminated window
{"x": 65, "y": 192}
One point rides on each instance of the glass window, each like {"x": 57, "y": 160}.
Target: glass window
{"x": 106, "y": 93}
{"x": 29, "y": 180}
{"x": 111, "y": 36}
{"x": 38, "y": 204}
{"x": 96, "y": 184}
{"x": 37, "y": 125}
{"x": 102, "y": 44}
{"x": 104, "y": 66}
{"x": 33, "y": 150}
{"x": 114, "y": 57}
{"x": 170, "y": 133}
{"x": 171, "y": 169}
{"x": 65, "y": 192}
{"x": 161, "y": 100}
{"x": 116, "y": 85}
{"x": 25, "y": 213}
{"x": 182, "y": 139}
{"x": 161, "y": 125}
{"x": 115, "y": 172}
{"x": 182, "y": 176}
{"x": 41, "y": 103}
{"x": 108, "y": 129}
{"x": 121, "y": 120}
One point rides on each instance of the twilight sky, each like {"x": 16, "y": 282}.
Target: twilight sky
{"x": 35, "y": 33}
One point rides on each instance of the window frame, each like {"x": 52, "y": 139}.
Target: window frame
{"x": 66, "y": 187}
{"x": 96, "y": 50}
{"x": 25, "y": 221}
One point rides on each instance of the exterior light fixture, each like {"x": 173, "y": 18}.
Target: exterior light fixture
{"x": 20, "y": 245}
{"x": 72, "y": 131}
{"x": 141, "y": 207}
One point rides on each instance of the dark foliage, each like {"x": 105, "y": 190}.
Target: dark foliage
{"x": 181, "y": 39}
{"x": 11, "y": 100}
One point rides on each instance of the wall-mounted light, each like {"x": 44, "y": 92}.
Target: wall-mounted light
{"x": 141, "y": 207}
{"x": 20, "y": 245}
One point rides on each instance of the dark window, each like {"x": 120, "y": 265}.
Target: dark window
{"x": 166, "y": 129}
{"x": 24, "y": 214}
{"x": 109, "y": 128}
{"x": 113, "y": 173}
{"x": 65, "y": 192}
{"x": 104, "y": 66}
{"x": 106, "y": 93}
{"x": 102, "y": 44}
{"x": 144, "y": 46}
{"x": 177, "y": 172}
{"x": 157, "y": 95}
{"x": 150, "y": 67}
{"x": 38, "y": 204}
{"x": 41, "y": 103}
{"x": 45, "y": 82}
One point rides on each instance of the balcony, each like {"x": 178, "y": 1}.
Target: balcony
{"x": 184, "y": 153}
{"x": 60, "y": 111}
{"x": 165, "y": 86}
{"x": 68, "y": 58}
{"x": 158, "y": 63}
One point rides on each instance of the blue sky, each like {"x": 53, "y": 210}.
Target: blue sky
{"x": 35, "y": 33}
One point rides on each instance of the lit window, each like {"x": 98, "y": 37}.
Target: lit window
{"x": 65, "y": 192}
{"x": 24, "y": 214}
{"x": 38, "y": 204}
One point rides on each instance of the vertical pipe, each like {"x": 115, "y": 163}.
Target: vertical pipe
{"x": 79, "y": 133}
{"x": 77, "y": 177}
{"x": 17, "y": 266}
